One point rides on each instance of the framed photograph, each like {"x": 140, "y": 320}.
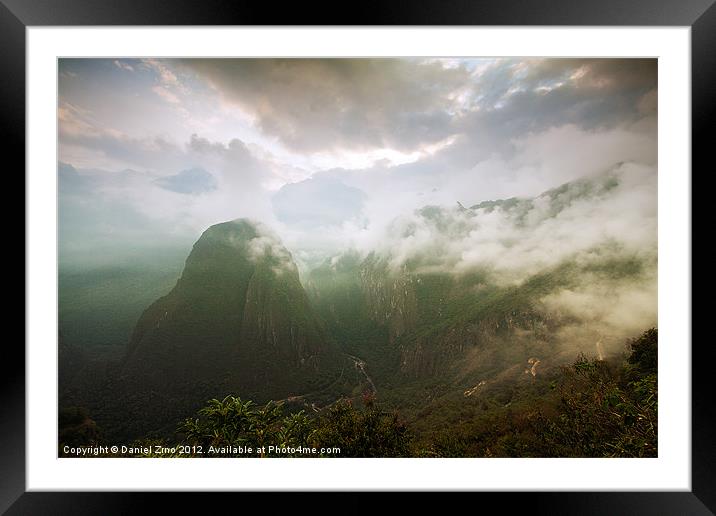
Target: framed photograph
{"x": 432, "y": 250}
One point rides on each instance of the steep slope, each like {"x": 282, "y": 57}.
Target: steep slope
{"x": 412, "y": 326}
{"x": 338, "y": 292}
{"x": 471, "y": 295}
{"x": 237, "y": 321}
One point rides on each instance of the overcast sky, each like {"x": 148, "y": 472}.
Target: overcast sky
{"x": 328, "y": 152}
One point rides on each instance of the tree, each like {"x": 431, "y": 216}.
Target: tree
{"x": 644, "y": 352}
{"x": 234, "y": 422}
{"x": 606, "y": 413}
{"x": 370, "y": 432}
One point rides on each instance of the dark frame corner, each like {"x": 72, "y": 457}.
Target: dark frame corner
{"x": 700, "y": 15}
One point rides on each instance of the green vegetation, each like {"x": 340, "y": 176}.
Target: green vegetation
{"x": 456, "y": 364}
{"x": 227, "y": 424}
{"x": 602, "y": 415}
{"x": 591, "y": 408}
{"x": 596, "y": 409}
{"x": 370, "y": 432}
{"x": 99, "y": 308}
{"x": 238, "y": 320}
{"x": 234, "y": 422}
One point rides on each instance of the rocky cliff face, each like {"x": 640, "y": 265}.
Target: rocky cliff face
{"x": 441, "y": 324}
{"x": 484, "y": 344}
{"x": 277, "y": 319}
{"x": 390, "y": 296}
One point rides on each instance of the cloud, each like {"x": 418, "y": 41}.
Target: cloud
{"x": 597, "y": 238}
{"x": 190, "y": 181}
{"x": 324, "y": 105}
{"x": 165, "y": 74}
{"x": 105, "y": 218}
{"x": 85, "y": 141}
{"x": 610, "y": 75}
{"x": 267, "y": 248}
{"x": 522, "y": 96}
{"x": 539, "y": 162}
{"x": 123, "y": 66}
{"x": 317, "y": 202}
{"x": 106, "y": 208}
{"x": 609, "y": 308}
{"x": 321, "y": 104}
{"x": 518, "y": 237}
{"x": 166, "y": 94}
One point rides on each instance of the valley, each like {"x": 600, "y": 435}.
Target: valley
{"x": 440, "y": 347}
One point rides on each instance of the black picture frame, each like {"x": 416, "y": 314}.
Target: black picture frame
{"x": 17, "y": 15}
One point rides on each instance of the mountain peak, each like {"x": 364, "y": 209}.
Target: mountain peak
{"x": 238, "y": 228}
{"x": 238, "y": 320}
